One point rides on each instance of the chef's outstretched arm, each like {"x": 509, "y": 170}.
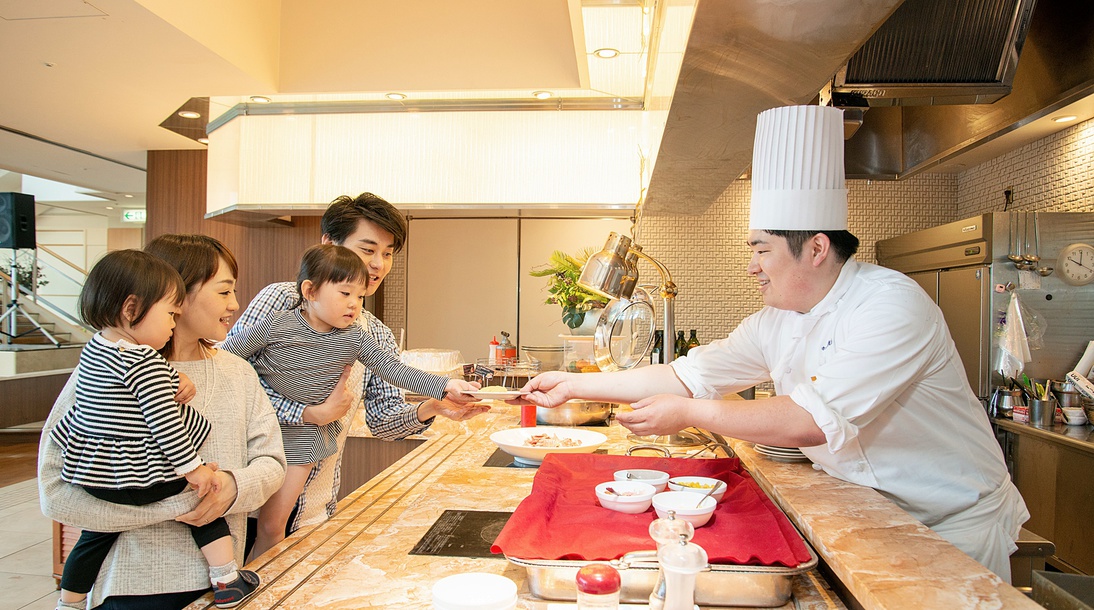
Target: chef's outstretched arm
{"x": 553, "y": 388}
{"x": 774, "y": 421}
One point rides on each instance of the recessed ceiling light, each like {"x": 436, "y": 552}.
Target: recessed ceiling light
{"x": 541, "y": 95}
{"x": 189, "y": 114}
{"x": 606, "y": 53}
{"x": 110, "y": 207}
{"x": 396, "y": 96}
{"x": 1065, "y": 119}
{"x": 260, "y": 99}
{"x": 127, "y": 196}
{"x": 203, "y": 140}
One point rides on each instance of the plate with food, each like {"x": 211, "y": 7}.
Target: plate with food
{"x": 531, "y": 445}
{"x": 494, "y": 392}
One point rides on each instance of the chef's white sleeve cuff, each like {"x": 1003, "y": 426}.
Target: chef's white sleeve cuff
{"x": 837, "y": 430}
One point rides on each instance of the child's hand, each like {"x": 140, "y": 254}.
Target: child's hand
{"x": 454, "y": 388}
{"x": 187, "y": 390}
{"x": 203, "y": 479}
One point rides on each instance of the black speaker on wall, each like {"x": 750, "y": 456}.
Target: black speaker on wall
{"x": 17, "y": 221}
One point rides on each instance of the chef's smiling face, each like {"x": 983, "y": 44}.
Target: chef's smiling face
{"x": 783, "y": 278}
{"x": 376, "y": 247}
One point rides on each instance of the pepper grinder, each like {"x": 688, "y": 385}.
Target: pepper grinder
{"x": 669, "y": 530}
{"x": 680, "y": 562}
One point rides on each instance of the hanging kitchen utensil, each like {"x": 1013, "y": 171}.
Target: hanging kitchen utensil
{"x": 623, "y": 334}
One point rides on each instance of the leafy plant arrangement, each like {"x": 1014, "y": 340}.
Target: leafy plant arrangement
{"x": 563, "y": 272}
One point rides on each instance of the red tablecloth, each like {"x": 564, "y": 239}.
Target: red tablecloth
{"x": 562, "y": 519}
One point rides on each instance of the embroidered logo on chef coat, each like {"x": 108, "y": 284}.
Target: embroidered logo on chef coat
{"x": 826, "y": 345}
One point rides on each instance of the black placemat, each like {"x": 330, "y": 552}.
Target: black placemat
{"x": 463, "y": 533}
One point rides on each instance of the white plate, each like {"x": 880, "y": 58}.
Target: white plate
{"x": 512, "y": 440}
{"x": 507, "y": 395}
{"x": 781, "y": 454}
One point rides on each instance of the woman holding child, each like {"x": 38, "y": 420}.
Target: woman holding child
{"x": 154, "y": 562}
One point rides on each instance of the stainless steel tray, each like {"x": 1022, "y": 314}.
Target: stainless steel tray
{"x": 719, "y": 585}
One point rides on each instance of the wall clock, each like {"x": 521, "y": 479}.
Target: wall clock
{"x": 1076, "y": 264}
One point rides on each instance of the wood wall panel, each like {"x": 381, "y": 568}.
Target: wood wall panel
{"x": 176, "y": 204}
{"x": 29, "y": 399}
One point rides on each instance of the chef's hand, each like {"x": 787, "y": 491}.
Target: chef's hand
{"x": 452, "y": 410}
{"x": 661, "y": 414}
{"x": 215, "y": 503}
{"x": 453, "y": 391}
{"x": 335, "y": 406}
{"x": 549, "y": 389}
{"x": 187, "y": 390}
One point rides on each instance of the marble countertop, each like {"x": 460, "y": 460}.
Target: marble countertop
{"x": 360, "y": 558}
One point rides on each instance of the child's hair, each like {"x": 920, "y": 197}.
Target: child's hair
{"x": 120, "y": 274}
{"x": 329, "y": 263}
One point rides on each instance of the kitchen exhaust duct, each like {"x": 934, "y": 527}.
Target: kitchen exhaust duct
{"x": 938, "y": 52}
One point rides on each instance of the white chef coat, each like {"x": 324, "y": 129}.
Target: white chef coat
{"x": 874, "y": 364}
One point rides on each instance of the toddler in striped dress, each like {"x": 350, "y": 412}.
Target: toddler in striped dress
{"x": 126, "y": 440}
{"x": 300, "y": 354}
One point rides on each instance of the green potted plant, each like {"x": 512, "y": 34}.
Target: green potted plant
{"x": 562, "y": 271}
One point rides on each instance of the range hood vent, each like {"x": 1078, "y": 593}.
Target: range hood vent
{"x": 937, "y": 52}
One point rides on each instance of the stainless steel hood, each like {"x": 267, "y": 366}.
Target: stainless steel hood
{"x": 938, "y": 52}
{"x": 1056, "y": 69}
{"x": 745, "y": 57}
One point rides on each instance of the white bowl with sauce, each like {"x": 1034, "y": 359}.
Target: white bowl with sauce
{"x": 514, "y": 441}
{"x": 659, "y": 479}
{"x": 630, "y": 497}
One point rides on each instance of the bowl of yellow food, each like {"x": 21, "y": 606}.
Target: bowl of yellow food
{"x": 699, "y": 485}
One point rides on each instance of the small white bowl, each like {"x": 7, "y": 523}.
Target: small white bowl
{"x": 656, "y": 478}
{"x": 699, "y": 485}
{"x": 630, "y": 504}
{"x": 686, "y": 505}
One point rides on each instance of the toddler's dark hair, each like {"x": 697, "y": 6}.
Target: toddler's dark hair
{"x": 329, "y": 263}
{"x": 122, "y": 273}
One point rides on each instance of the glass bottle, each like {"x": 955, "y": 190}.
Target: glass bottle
{"x": 681, "y": 344}
{"x": 693, "y": 341}
{"x": 658, "y": 346}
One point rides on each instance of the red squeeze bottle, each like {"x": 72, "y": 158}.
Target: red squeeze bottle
{"x": 527, "y": 416}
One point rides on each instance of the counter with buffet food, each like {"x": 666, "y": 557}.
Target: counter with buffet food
{"x": 406, "y": 528}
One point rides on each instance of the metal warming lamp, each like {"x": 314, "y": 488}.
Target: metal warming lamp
{"x": 613, "y": 273}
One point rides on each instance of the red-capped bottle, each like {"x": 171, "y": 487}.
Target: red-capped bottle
{"x": 598, "y": 587}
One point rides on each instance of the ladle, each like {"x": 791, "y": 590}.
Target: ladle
{"x": 716, "y": 487}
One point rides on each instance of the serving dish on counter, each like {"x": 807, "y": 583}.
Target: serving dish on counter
{"x": 512, "y": 441}
{"x": 719, "y": 585}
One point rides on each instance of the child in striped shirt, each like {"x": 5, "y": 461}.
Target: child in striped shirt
{"x": 126, "y": 440}
{"x": 300, "y": 354}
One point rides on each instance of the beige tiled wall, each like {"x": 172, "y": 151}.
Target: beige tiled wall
{"x": 707, "y": 256}
{"x": 1055, "y": 173}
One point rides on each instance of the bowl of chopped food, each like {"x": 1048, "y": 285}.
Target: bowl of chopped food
{"x": 658, "y": 478}
{"x": 699, "y": 485}
{"x": 531, "y": 445}
{"x": 631, "y": 497}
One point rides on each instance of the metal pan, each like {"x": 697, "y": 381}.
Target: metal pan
{"x": 575, "y": 413}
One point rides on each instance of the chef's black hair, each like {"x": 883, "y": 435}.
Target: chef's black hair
{"x": 844, "y": 244}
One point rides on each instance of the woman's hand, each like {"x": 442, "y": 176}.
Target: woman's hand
{"x": 215, "y": 503}
{"x": 454, "y": 388}
{"x": 452, "y": 410}
{"x": 335, "y": 406}
{"x": 661, "y": 414}
{"x": 187, "y": 390}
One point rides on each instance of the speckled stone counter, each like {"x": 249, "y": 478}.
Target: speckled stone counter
{"x": 360, "y": 558}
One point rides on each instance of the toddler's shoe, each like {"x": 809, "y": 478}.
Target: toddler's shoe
{"x": 232, "y": 594}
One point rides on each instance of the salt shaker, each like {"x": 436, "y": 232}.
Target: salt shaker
{"x": 680, "y": 563}
{"x": 669, "y": 530}
{"x": 598, "y": 587}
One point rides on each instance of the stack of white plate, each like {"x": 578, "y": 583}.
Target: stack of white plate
{"x": 782, "y": 454}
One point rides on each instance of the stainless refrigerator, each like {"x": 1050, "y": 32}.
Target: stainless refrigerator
{"x": 964, "y": 266}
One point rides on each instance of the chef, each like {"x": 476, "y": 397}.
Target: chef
{"x": 868, "y": 382}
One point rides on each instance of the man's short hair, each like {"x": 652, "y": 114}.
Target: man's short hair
{"x": 844, "y": 244}
{"x": 345, "y": 213}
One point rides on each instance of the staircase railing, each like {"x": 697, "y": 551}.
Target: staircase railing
{"x": 64, "y": 306}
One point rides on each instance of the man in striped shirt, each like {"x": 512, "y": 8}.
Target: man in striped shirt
{"x": 375, "y": 230}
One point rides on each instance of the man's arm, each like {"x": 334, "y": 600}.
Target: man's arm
{"x": 553, "y": 388}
